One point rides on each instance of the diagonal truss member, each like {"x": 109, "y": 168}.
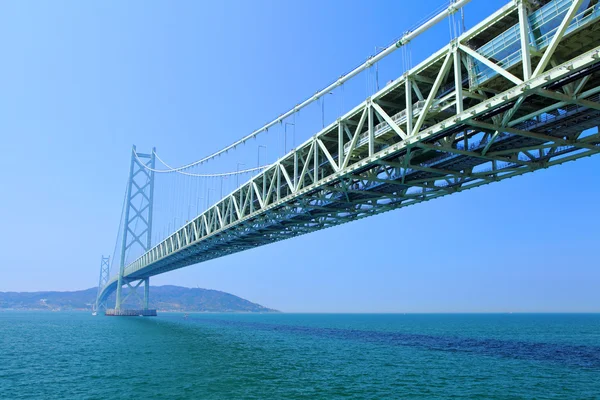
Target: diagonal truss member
{"x": 137, "y": 226}
{"x": 104, "y": 277}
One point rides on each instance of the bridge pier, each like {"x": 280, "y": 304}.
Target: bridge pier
{"x": 130, "y": 313}
{"x": 119, "y": 291}
{"x": 145, "y": 311}
{"x": 146, "y": 293}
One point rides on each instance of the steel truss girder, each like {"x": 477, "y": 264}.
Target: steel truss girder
{"x": 344, "y": 173}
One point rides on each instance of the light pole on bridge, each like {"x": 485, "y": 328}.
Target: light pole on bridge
{"x": 285, "y": 136}
{"x": 377, "y": 48}
{"x": 198, "y": 205}
{"x": 208, "y": 196}
{"x": 323, "y": 110}
{"x": 258, "y": 154}
{"x": 237, "y": 175}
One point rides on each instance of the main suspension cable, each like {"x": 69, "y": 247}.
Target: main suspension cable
{"x": 453, "y": 6}
{"x": 119, "y": 234}
{"x": 179, "y": 171}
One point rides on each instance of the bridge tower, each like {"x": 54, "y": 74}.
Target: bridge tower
{"x": 137, "y": 223}
{"x": 104, "y": 277}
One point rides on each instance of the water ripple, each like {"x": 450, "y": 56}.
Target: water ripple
{"x": 563, "y": 354}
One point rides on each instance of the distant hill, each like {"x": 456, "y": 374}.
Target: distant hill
{"x": 165, "y": 298}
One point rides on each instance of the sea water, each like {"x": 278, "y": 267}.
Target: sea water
{"x": 74, "y": 355}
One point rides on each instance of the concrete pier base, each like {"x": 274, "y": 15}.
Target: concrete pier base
{"x": 111, "y": 312}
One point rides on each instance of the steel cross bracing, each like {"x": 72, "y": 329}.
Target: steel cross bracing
{"x": 428, "y": 134}
{"x": 104, "y": 277}
{"x": 137, "y": 224}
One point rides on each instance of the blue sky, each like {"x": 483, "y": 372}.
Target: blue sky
{"x": 81, "y": 82}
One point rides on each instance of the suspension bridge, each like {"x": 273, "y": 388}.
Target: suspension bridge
{"x": 516, "y": 93}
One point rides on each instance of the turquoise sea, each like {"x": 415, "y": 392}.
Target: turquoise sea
{"x": 62, "y": 355}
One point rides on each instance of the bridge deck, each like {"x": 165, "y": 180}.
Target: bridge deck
{"x": 465, "y": 117}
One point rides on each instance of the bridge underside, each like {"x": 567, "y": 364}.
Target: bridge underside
{"x": 461, "y": 119}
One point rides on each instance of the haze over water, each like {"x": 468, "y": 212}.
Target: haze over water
{"x": 299, "y": 356}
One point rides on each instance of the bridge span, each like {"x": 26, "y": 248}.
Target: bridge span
{"x": 517, "y": 93}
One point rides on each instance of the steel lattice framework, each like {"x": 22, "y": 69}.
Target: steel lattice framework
{"x": 517, "y": 93}
{"x": 137, "y": 223}
{"x": 104, "y": 277}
